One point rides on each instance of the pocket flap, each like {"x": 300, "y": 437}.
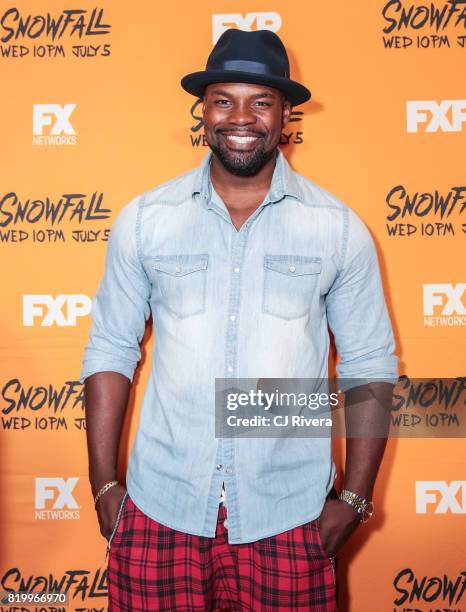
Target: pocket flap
{"x": 179, "y": 265}
{"x": 293, "y": 265}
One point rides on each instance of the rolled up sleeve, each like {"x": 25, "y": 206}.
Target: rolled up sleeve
{"x": 357, "y": 313}
{"x": 120, "y": 307}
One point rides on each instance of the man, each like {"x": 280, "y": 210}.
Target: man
{"x": 242, "y": 263}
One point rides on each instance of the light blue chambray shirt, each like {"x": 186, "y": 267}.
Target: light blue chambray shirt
{"x": 253, "y": 303}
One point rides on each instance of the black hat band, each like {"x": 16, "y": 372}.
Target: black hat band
{"x": 246, "y": 66}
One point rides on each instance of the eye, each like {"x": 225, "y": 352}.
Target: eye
{"x": 262, "y": 103}
{"x": 222, "y": 102}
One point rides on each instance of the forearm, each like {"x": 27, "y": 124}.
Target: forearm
{"x": 367, "y": 420}
{"x": 106, "y": 397}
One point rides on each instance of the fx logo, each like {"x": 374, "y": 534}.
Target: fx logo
{"x": 55, "y": 116}
{"x": 251, "y": 21}
{"x": 445, "y": 296}
{"x": 442, "y": 495}
{"x": 446, "y": 115}
{"x": 57, "y": 489}
{"x": 49, "y": 309}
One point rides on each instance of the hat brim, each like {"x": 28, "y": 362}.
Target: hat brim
{"x": 196, "y": 82}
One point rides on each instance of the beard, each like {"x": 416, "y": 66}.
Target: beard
{"x": 242, "y": 163}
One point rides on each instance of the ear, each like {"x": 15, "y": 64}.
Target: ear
{"x": 286, "y": 111}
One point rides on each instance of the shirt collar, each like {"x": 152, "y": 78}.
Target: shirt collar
{"x": 284, "y": 182}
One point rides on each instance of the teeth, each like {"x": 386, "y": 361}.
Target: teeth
{"x": 241, "y": 139}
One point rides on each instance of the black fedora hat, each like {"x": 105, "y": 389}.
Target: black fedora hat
{"x": 257, "y": 57}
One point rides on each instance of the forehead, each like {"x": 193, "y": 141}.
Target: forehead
{"x": 242, "y": 89}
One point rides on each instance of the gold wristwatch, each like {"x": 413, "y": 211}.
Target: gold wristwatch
{"x": 362, "y": 506}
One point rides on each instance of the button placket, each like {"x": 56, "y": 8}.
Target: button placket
{"x": 231, "y": 345}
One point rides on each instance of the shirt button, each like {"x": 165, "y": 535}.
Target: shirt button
{"x": 219, "y": 466}
{"x": 230, "y": 369}
{"x": 177, "y": 269}
{"x": 232, "y": 317}
{"x": 236, "y": 269}
{"x": 292, "y": 268}
{"x": 229, "y": 471}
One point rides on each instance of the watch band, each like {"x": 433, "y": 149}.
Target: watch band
{"x": 362, "y": 506}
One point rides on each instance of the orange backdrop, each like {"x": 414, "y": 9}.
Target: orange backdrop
{"x": 385, "y": 127}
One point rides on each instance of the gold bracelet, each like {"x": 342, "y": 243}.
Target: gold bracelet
{"x": 104, "y": 489}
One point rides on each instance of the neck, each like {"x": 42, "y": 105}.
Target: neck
{"x": 226, "y": 183}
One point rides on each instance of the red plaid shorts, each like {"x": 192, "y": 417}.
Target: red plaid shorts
{"x": 153, "y": 567}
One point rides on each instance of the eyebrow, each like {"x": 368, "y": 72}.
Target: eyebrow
{"x": 222, "y": 92}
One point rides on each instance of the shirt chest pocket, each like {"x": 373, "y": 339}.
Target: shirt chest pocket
{"x": 180, "y": 282}
{"x": 291, "y": 283}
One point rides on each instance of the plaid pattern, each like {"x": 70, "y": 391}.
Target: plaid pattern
{"x": 153, "y": 567}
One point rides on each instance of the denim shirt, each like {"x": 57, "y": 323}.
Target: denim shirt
{"x": 225, "y": 304}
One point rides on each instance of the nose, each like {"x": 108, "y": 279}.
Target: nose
{"x": 241, "y": 114}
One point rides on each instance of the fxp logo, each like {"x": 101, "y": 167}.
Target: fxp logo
{"x": 198, "y": 139}
{"x": 431, "y": 116}
{"x": 443, "y": 304}
{"x": 440, "y": 497}
{"x": 48, "y": 310}
{"x": 54, "y": 498}
{"x": 51, "y": 124}
{"x": 249, "y": 22}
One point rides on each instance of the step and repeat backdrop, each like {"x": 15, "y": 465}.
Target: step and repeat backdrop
{"x": 92, "y": 114}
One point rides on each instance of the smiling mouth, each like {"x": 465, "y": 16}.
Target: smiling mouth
{"x": 241, "y": 139}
